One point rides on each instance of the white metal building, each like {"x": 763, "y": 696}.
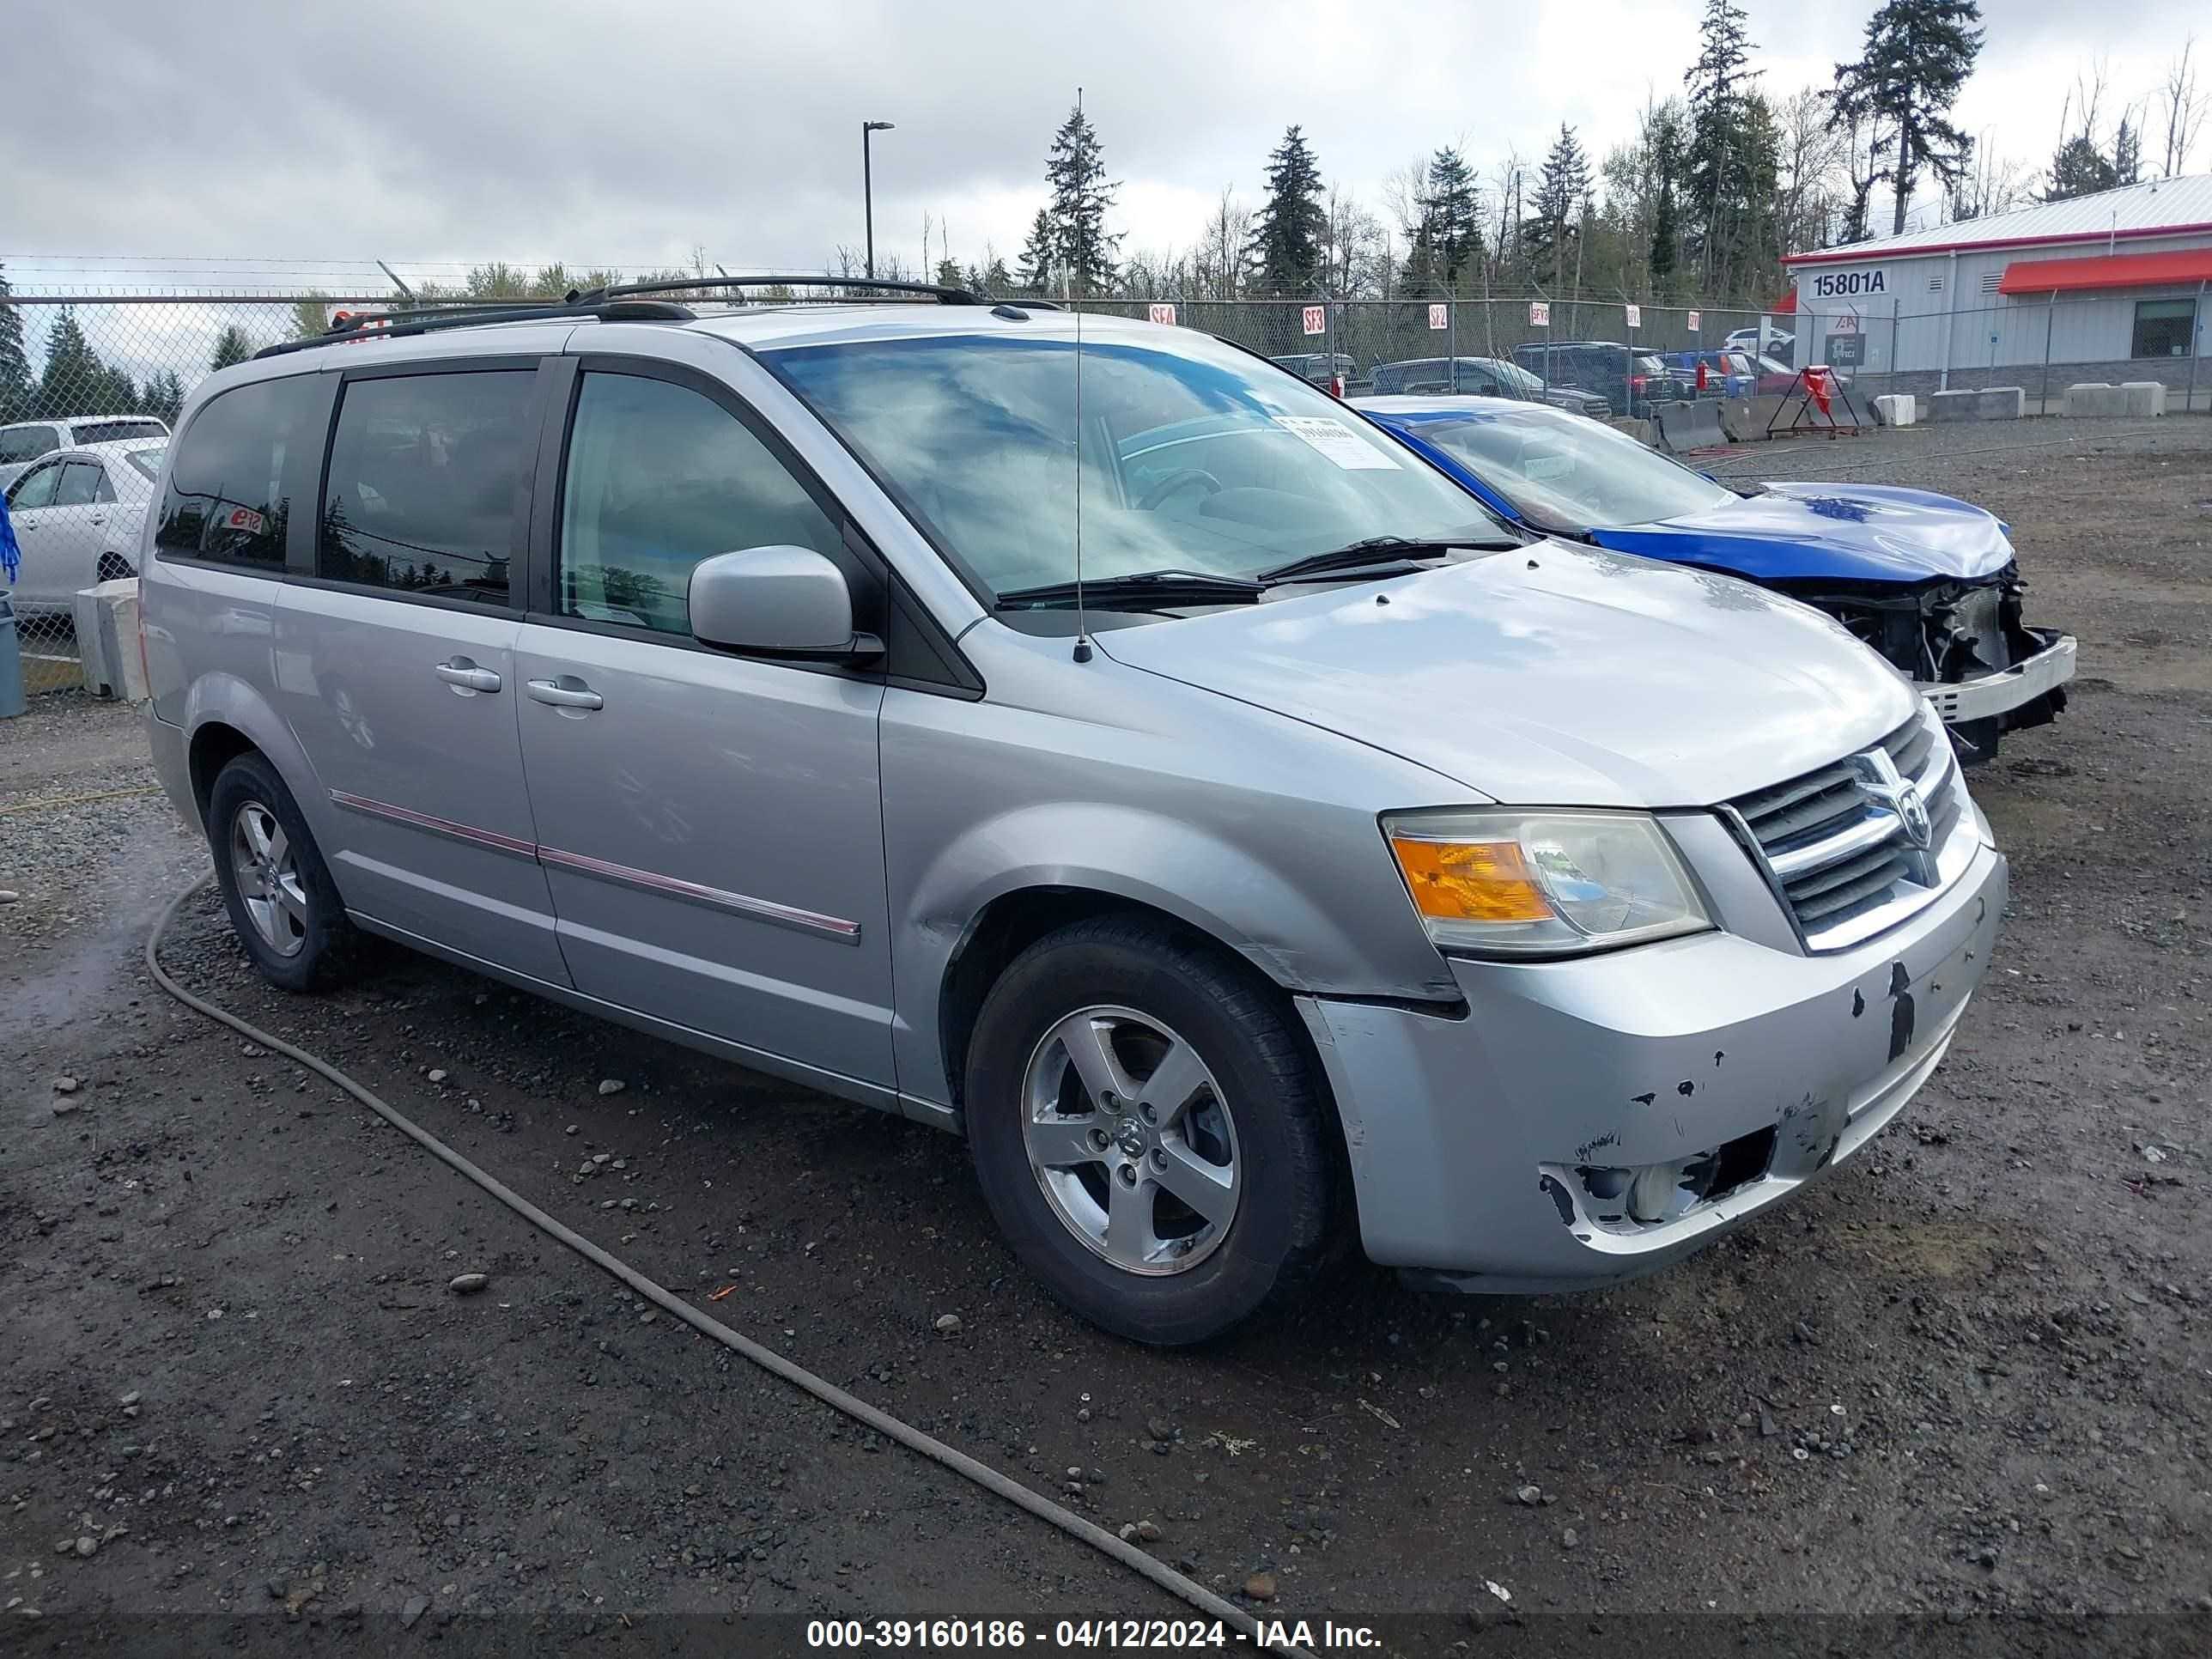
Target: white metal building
{"x": 2109, "y": 287}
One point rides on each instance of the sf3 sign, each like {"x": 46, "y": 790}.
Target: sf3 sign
{"x": 1316, "y": 318}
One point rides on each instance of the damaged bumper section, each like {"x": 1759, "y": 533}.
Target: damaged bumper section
{"x": 1589, "y": 1120}
{"x": 1965, "y": 645}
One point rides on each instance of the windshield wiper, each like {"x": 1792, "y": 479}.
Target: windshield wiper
{"x": 1142, "y": 588}
{"x": 1383, "y": 550}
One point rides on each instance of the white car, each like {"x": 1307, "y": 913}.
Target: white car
{"x": 1777, "y": 344}
{"x": 78, "y": 514}
{"x": 25, "y": 441}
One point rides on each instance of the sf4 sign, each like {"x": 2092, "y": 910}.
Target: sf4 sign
{"x": 1635, "y": 315}
{"x": 1539, "y": 314}
{"x": 1694, "y": 320}
{"x": 1439, "y": 317}
{"x": 1164, "y": 313}
{"x": 1317, "y": 320}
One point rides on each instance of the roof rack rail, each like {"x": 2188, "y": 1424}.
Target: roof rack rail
{"x": 393, "y": 325}
{"x": 1034, "y": 305}
{"x": 942, "y": 295}
{"x": 612, "y": 303}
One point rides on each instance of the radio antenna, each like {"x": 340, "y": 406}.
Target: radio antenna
{"x": 1068, "y": 293}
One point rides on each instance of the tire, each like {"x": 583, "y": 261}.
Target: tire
{"x": 283, "y": 907}
{"x": 1248, "y": 1141}
{"x": 114, "y": 566}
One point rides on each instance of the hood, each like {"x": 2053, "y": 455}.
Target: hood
{"x": 1552, "y": 674}
{"x": 1850, "y": 532}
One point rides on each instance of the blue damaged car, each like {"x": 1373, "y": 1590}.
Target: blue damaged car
{"x": 1927, "y": 581}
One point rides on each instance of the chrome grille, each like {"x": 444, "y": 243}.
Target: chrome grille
{"x": 1838, "y": 846}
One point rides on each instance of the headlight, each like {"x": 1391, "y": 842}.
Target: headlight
{"x": 1501, "y": 882}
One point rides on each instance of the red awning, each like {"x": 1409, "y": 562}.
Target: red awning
{"x": 2189, "y": 265}
{"x": 1786, "y": 304}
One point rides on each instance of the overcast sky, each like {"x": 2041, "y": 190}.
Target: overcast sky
{"x": 430, "y": 134}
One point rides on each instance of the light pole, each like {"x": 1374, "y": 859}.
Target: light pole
{"x": 868, "y": 130}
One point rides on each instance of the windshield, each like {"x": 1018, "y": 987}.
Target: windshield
{"x": 1512, "y": 376}
{"x": 1194, "y": 456}
{"x": 1570, "y": 473}
{"x": 147, "y": 461}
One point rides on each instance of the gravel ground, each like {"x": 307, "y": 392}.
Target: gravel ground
{"x": 1964, "y": 1381}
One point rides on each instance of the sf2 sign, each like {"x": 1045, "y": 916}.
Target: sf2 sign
{"x": 1841, "y": 284}
{"x": 1439, "y": 317}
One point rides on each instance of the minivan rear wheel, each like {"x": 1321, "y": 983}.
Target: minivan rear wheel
{"x": 1147, "y": 1130}
{"x": 283, "y": 906}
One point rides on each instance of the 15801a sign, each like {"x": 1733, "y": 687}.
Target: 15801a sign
{"x": 1837, "y": 284}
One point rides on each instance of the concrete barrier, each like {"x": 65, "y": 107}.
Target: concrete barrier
{"x": 1896, "y": 409}
{"x": 107, "y": 640}
{"x": 1744, "y": 419}
{"x": 1993, "y": 403}
{"x": 2141, "y": 398}
{"x": 2092, "y": 397}
{"x": 1695, "y": 424}
{"x": 1635, "y": 426}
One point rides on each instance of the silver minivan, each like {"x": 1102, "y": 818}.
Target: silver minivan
{"x": 1082, "y": 735}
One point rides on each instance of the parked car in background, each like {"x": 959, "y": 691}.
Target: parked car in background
{"x": 25, "y": 441}
{"x": 1631, "y": 381}
{"x": 78, "y": 514}
{"x": 1482, "y": 377}
{"x": 1775, "y": 343}
{"x": 1930, "y": 582}
{"x": 1337, "y": 373}
{"x": 728, "y": 675}
{"x": 1736, "y": 374}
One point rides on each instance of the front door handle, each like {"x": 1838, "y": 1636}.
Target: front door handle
{"x": 468, "y": 675}
{"x": 567, "y": 692}
{"x": 97, "y": 518}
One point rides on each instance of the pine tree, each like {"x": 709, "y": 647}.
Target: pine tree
{"x": 1286, "y": 238}
{"x": 1039, "y": 256}
{"x": 15, "y": 387}
{"x": 1083, "y": 247}
{"x": 231, "y": 346}
{"x": 1918, "y": 54}
{"x": 2127, "y": 153}
{"x": 75, "y": 380}
{"x": 2079, "y": 169}
{"x": 949, "y": 274}
{"x": 1563, "y": 187}
{"x": 1448, "y": 238}
{"x": 311, "y": 315}
{"x": 1666, "y": 215}
{"x": 991, "y": 276}
{"x": 1713, "y": 164}
{"x": 164, "y": 396}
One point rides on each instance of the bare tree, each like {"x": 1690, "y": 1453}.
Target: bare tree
{"x": 1356, "y": 248}
{"x": 1217, "y": 262}
{"x": 2185, "y": 109}
{"x": 1811, "y": 167}
{"x": 1994, "y": 185}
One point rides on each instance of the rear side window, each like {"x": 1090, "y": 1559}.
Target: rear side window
{"x": 108, "y": 432}
{"x": 424, "y": 473}
{"x": 659, "y": 478}
{"x": 83, "y": 484}
{"x": 19, "y": 444}
{"x": 226, "y": 499}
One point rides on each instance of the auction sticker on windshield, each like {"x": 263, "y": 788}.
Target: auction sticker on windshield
{"x": 1333, "y": 439}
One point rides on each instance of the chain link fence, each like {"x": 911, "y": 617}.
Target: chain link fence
{"x": 89, "y": 383}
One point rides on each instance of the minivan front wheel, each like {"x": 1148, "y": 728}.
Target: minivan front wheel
{"x": 283, "y": 906}
{"x": 1147, "y": 1131}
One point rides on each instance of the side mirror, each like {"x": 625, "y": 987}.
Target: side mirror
{"x": 778, "y": 602}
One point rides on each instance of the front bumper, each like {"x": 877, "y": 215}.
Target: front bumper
{"x": 2009, "y": 689}
{"x": 1468, "y": 1136}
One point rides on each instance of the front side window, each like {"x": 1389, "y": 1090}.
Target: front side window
{"x": 2164, "y": 328}
{"x": 35, "y": 488}
{"x": 1572, "y": 474}
{"x": 659, "y": 477}
{"x": 1194, "y": 458}
{"x": 19, "y": 444}
{"x": 147, "y": 463}
{"x": 422, "y": 490}
{"x": 227, "y": 499}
